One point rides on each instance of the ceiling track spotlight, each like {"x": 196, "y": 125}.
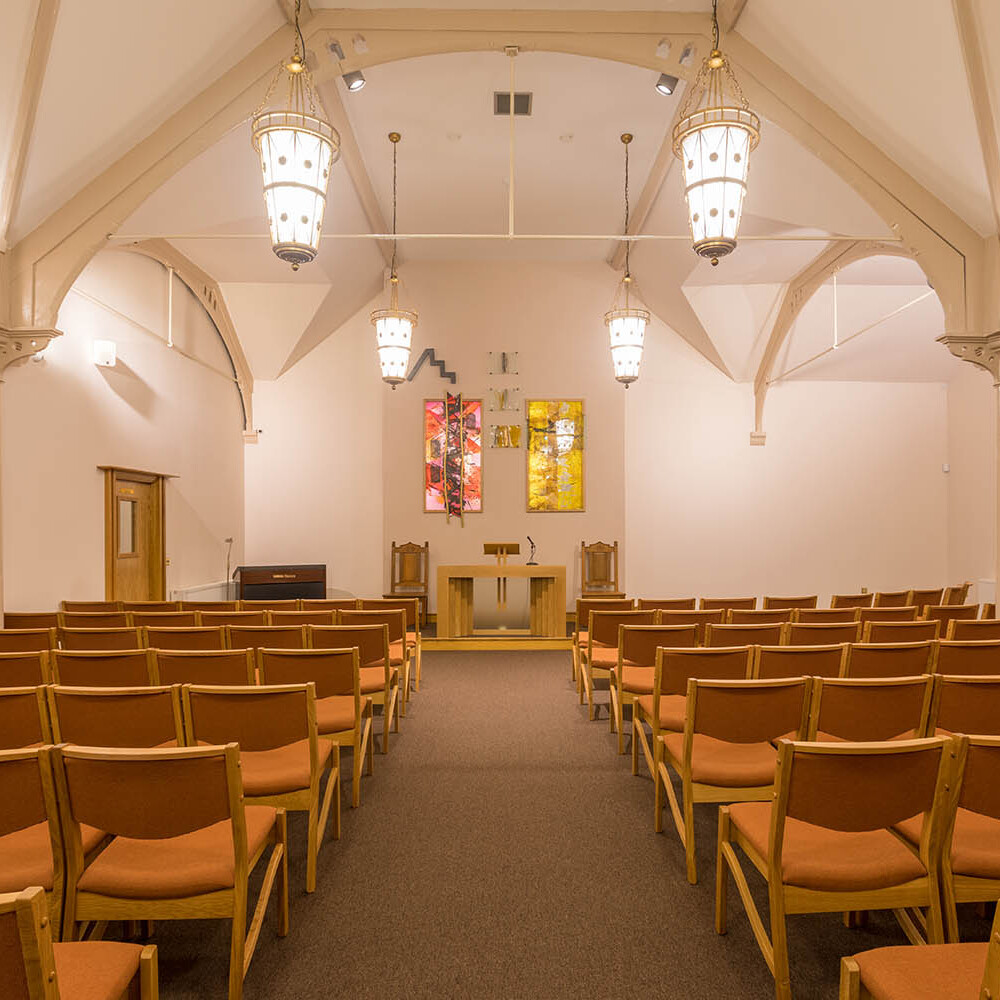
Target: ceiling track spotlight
{"x": 667, "y": 84}
{"x": 297, "y": 150}
{"x": 355, "y": 79}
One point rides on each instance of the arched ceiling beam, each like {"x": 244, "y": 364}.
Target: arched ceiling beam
{"x": 797, "y": 293}
{"x": 206, "y": 290}
{"x": 45, "y": 263}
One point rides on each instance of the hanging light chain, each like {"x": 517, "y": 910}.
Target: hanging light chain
{"x": 715, "y": 23}
{"x": 301, "y": 41}
{"x": 395, "y": 144}
{"x": 626, "y": 139}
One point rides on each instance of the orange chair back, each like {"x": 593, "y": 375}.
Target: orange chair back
{"x": 100, "y": 638}
{"x": 603, "y": 626}
{"x": 154, "y": 607}
{"x": 700, "y": 618}
{"x": 898, "y": 659}
{"x": 584, "y": 605}
{"x": 104, "y": 668}
{"x": 823, "y": 616}
{"x": 774, "y": 662}
{"x": 981, "y": 778}
{"x": 216, "y": 618}
{"x": 870, "y": 709}
{"x": 210, "y": 605}
{"x": 890, "y": 599}
{"x": 24, "y": 669}
{"x": 966, "y": 705}
{"x": 411, "y": 605}
{"x": 163, "y": 619}
{"x": 666, "y": 604}
{"x": 638, "y": 644}
{"x": 283, "y": 618}
{"x": 748, "y": 711}
{"x": 675, "y": 667}
{"x": 337, "y": 604}
{"x": 947, "y": 613}
{"x": 395, "y": 618}
{"x": 24, "y": 720}
{"x": 772, "y": 616}
{"x": 852, "y": 600}
{"x": 964, "y": 631}
{"x": 94, "y": 619}
{"x": 980, "y": 657}
{"x": 743, "y": 635}
{"x": 822, "y": 635}
{"x": 91, "y": 607}
{"x": 894, "y": 613}
{"x": 280, "y": 605}
{"x": 30, "y": 619}
{"x": 775, "y": 603}
{"x": 116, "y": 717}
{"x": 924, "y": 598}
{"x": 201, "y": 638}
{"x": 371, "y": 641}
{"x": 227, "y": 667}
{"x": 266, "y": 636}
{"x": 27, "y": 640}
{"x": 900, "y": 631}
{"x": 27, "y": 796}
{"x": 728, "y": 603}
{"x": 332, "y": 671}
{"x": 258, "y": 718}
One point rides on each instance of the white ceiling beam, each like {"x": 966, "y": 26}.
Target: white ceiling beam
{"x": 729, "y": 13}
{"x": 970, "y": 34}
{"x": 27, "y": 107}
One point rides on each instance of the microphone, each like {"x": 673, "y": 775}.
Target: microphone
{"x": 531, "y": 558}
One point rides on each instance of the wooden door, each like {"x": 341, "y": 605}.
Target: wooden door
{"x": 134, "y": 563}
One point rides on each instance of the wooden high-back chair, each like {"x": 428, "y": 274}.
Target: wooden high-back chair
{"x": 956, "y": 595}
{"x": 599, "y": 569}
{"x": 409, "y": 571}
{"x": 924, "y": 598}
{"x": 600, "y": 656}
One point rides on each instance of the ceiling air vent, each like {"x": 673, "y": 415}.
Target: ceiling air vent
{"x": 501, "y": 103}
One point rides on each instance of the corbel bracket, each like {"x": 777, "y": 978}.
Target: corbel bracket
{"x": 17, "y": 344}
{"x": 981, "y": 351}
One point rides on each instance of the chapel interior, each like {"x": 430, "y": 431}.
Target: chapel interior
{"x": 499, "y": 502}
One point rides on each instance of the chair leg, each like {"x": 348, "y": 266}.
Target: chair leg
{"x": 692, "y": 865}
{"x": 416, "y": 675}
{"x": 282, "y": 821}
{"x": 635, "y": 742}
{"x": 237, "y": 944}
{"x": 395, "y": 711}
{"x": 950, "y": 908}
{"x": 621, "y": 726}
{"x": 149, "y": 974}
{"x": 779, "y": 942}
{"x": 721, "y": 873}
{"x": 850, "y": 980}
{"x": 612, "y": 708}
{"x": 658, "y": 794}
{"x": 312, "y": 849}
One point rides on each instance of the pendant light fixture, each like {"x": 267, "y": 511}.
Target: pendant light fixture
{"x": 713, "y": 139}
{"x": 393, "y": 326}
{"x": 297, "y": 150}
{"x": 626, "y": 322}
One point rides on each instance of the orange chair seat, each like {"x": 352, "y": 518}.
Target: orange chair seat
{"x": 26, "y": 856}
{"x": 930, "y": 972}
{"x": 637, "y": 680}
{"x": 822, "y": 737}
{"x": 604, "y": 657}
{"x": 975, "y": 846}
{"x": 373, "y": 679}
{"x": 95, "y": 970}
{"x": 829, "y": 860}
{"x": 336, "y": 713}
{"x": 187, "y": 865}
{"x": 582, "y": 638}
{"x": 672, "y": 710}
{"x": 728, "y": 765}
{"x": 283, "y": 769}
{"x": 396, "y": 653}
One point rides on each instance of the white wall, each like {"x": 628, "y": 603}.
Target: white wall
{"x": 156, "y": 410}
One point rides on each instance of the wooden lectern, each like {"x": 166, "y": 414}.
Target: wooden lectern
{"x": 501, "y": 550}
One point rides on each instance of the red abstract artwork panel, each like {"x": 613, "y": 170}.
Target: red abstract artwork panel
{"x": 453, "y": 463}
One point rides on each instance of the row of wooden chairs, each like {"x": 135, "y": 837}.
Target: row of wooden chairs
{"x": 298, "y": 604}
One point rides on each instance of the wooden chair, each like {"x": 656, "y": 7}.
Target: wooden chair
{"x": 584, "y": 605}
{"x": 282, "y": 759}
{"x": 201, "y": 638}
{"x": 599, "y": 570}
{"x": 285, "y": 618}
{"x": 988, "y": 611}
{"x": 154, "y": 607}
{"x": 25, "y": 669}
{"x": 378, "y": 679}
{"x": 852, "y": 600}
{"x": 824, "y": 616}
{"x": 116, "y": 717}
{"x": 664, "y": 710}
{"x": 725, "y": 753}
{"x": 824, "y": 845}
{"x": 291, "y": 604}
{"x": 869, "y": 710}
{"x": 956, "y": 595}
{"x": 266, "y": 636}
{"x": 30, "y": 619}
{"x": 700, "y": 618}
{"x": 667, "y": 604}
{"x": 924, "y": 598}
{"x": 965, "y": 705}
{"x": 338, "y": 604}
{"x": 24, "y": 718}
{"x": 93, "y": 619}
{"x": 183, "y": 844}
{"x": 947, "y": 613}
{"x": 91, "y": 607}
{"x": 743, "y": 635}
{"x": 213, "y": 619}
{"x": 728, "y": 603}
{"x": 411, "y": 605}
{"x": 821, "y": 634}
{"x": 891, "y": 659}
{"x": 773, "y": 616}
{"x": 409, "y": 571}
{"x": 27, "y": 640}
{"x": 400, "y": 650}
{"x": 100, "y": 638}
{"x": 104, "y": 668}
{"x": 981, "y": 657}
{"x": 780, "y": 603}
{"x": 601, "y": 653}
{"x": 919, "y": 631}
{"x": 632, "y": 676}
{"x": 227, "y": 667}
{"x": 35, "y": 967}
{"x": 210, "y": 605}
{"x": 939, "y": 972}
{"x": 162, "y": 619}
{"x": 897, "y": 613}
{"x": 982, "y": 628}
{"x": 776, "y": 662}
{"x": 31, "y": 843}
{"x": 891, "y": 599}
{"x": 343, "y": 715}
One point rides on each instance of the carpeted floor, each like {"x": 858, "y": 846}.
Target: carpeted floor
{"x": 503, "y": 850}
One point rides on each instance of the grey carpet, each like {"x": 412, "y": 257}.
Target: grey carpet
{"x": 503, "y": 850}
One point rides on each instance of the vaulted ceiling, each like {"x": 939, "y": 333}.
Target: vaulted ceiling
{"x": 113, "y": 73}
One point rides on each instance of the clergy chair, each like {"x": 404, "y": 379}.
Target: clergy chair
{"x": 116, "y": 717}
{"x": 35, "y": 965}
{"x": 852, "y": 600}
{"x": 599, "y": 570}
{"x": 25, "y": 669}
{"x": 868, "y": 710}
{"x": 227, "y": 667}
{"x": 104, "y": 668}
{"x": 27, "y": 640}
{"x": 200, "y": 638}
{"x": 917, "y": 631}
{"x": 24, "y": 718}
{"x": 823, "y": 844}
{"x": 891, "y": 659}
{"x": 726, "y": 753}
{"x": 891, "y": 599}
{"x": 779, "y": 603}
{"x": 821, "y": 616}
{"x": 772, "y": 616}
{"x": 343, "y": 715}
{"x": 898, "y": 613}
{"x": 978, "y": 657}
{"x": 100, "y": 638}
{"x": 965, "y": 705}
{"x": 282, "y": 758}
{"x": 30, "y": 619}
{"x": 183, "y": 842}
{"x": 409, "y": 571}
{"x": 981, "y": 628}
{"x": 774, "y": 662}
{"x": 601, "y": 654}
{"x": 728, "y": 603}
{"x": 744, "y": 635}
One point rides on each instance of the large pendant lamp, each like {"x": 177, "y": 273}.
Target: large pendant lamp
{"x": 297, "y": 150}
{"x": 393, "y": 326}
{"x": 626, "y": 320}
{"x": 713, "y": 140}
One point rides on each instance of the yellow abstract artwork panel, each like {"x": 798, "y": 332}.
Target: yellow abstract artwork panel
{"x": 555, "y": 454}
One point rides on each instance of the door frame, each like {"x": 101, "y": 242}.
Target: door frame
{"x": 113, "y": 475}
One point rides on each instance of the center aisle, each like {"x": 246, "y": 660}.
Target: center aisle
{"x": 503, "y": 849}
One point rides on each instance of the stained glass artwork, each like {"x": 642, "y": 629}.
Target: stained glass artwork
{"x": 555, "y": 454}
{"x": 453, "y": 464}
